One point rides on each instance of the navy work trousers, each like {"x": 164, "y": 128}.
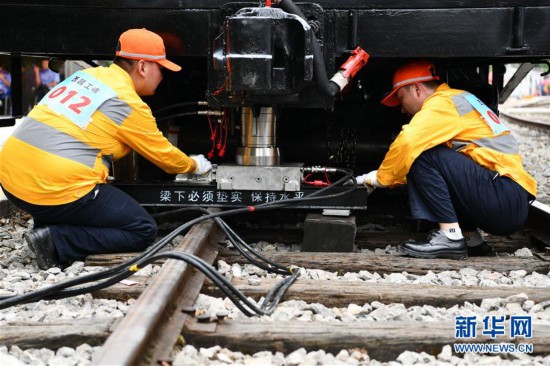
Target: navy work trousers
{"x": 446, "y": 186}
{"x": 106, "y": 220}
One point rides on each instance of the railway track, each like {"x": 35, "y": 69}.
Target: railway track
{"x": 535, "y": 113}
{"x": 164, "y": 316}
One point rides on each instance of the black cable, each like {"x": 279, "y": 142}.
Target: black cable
{"x": 8, "y": 301}
{"x": 244, "y": 248}
{"x": 185, "y": 104}
{"x": 235, "y": 296}
{"x": 161, "y": 243}
{"x": 120, "y": 271}
{"x": 195, "y": 113}
{"x": 233, "y": 293}
{"x": 236, "y": 239}
{"x": 163, "y": 215}
{"x": 275, "y": 295}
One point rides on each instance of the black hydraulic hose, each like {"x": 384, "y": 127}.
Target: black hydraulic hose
{"x": 176, "y": 211}
{"x": 235, "y": 295}
{"x": 122, "y": 270}
{"x": 275, "y": 295}
{"x": 178, "y": 105}
{"x": 323, "y": 84}
{"x": 244, "y": 248}
{"x": 90, "y": 288}
{"x": 195, "y": 113}
{"x": 272, "y": 299}
{"x": 247, "y": 251}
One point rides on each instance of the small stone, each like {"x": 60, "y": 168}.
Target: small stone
{"x": 343, "y": 355}
{"x": 236, "y": 270}
{"x": 446, "y": 353}
{"x": 65, "y": 352}
{"x": 54, "y": 270}
{"x": 409, "y": 358}
{"x": 515, "y": 308}
{"x": 491, "y": 304}
{"x": 518, "y": 298}
{"x": 518, "y": 274}
{"x": 296, "y": 357}
{"x": 527, "y": 305}
{"x": 254, "y": 281}
{"x": 75, "y": 268}
{"x": 523, "y": 252}
{"x": 224, "y": 358}
{"x": 209, "y": 352}
{"x": 223, "y": 267}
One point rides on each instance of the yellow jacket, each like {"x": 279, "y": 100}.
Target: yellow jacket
{"x": 64, "y": 147}
{"x": 446, "y": 118}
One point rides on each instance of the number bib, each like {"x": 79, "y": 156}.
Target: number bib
{"x": 487, "y": 114}
{"x": 78, "y": 97}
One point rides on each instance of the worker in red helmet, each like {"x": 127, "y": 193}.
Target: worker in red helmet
{"x": 461, "y": 165}
{"x": 56, "y": 163}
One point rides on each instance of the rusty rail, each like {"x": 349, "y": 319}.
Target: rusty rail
{"x": 149, "y": 330}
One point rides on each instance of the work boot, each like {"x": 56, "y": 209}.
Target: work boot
{"x": 482, "y": 250}
{"x": 438, "y": 245}
{"x": 41, "y": 244}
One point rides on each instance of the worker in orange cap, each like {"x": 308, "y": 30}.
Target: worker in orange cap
{"x": 56, "y": 163}
{"x": 460, "y": 163}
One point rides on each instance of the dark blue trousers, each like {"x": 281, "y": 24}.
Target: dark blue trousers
{"x": 106, "y": 220}
{"x": 446, "y": 186}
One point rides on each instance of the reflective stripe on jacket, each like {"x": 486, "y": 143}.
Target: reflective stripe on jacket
{"x": 49, "y": 160}
{"x": 448, "y": 118}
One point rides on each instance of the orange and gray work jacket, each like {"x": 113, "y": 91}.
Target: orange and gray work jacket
{"x": 66, "y": 144}
{"x": 448, "y": 117}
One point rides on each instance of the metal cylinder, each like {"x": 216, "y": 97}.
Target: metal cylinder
{"x": 258, "y": 140}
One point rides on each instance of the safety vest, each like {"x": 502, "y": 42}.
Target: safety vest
{"x": 500, "y": 141}
{"x": 66, "y": 144}
{"x": 449, "y": 117}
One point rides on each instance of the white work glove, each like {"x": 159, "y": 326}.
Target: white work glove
{"x": 369, "y": 179}
{"x": 203, "y": 164}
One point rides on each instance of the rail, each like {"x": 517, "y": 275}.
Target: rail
{"x": 148, "y": 331}
{"x": 534, "y": 112}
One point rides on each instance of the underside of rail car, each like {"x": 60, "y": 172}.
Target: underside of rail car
{"x": 252, "y": 92}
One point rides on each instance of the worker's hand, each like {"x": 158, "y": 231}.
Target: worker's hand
{"x": 203, "y": 164}
{"x": 369, "y": 180}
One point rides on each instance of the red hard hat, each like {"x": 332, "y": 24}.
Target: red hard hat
{"x": 414, "y": 72}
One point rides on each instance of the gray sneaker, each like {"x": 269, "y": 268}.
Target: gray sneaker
{"x": 437, "y": 246}
{"x": 41, "y": 244}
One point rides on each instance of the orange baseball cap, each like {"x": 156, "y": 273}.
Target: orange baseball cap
{"x": 414, "y": 72}
{"x": 141, "y": 44}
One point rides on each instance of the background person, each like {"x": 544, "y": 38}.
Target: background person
{"x": 5, "y": 87}
{"x": 462, "y": 171}
{"x": 55, "y": 164}
{"x": 48, "y": 79}
{"x": 31, "y": 81}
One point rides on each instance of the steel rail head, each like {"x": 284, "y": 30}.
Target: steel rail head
{"x": 129, "y": 342}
